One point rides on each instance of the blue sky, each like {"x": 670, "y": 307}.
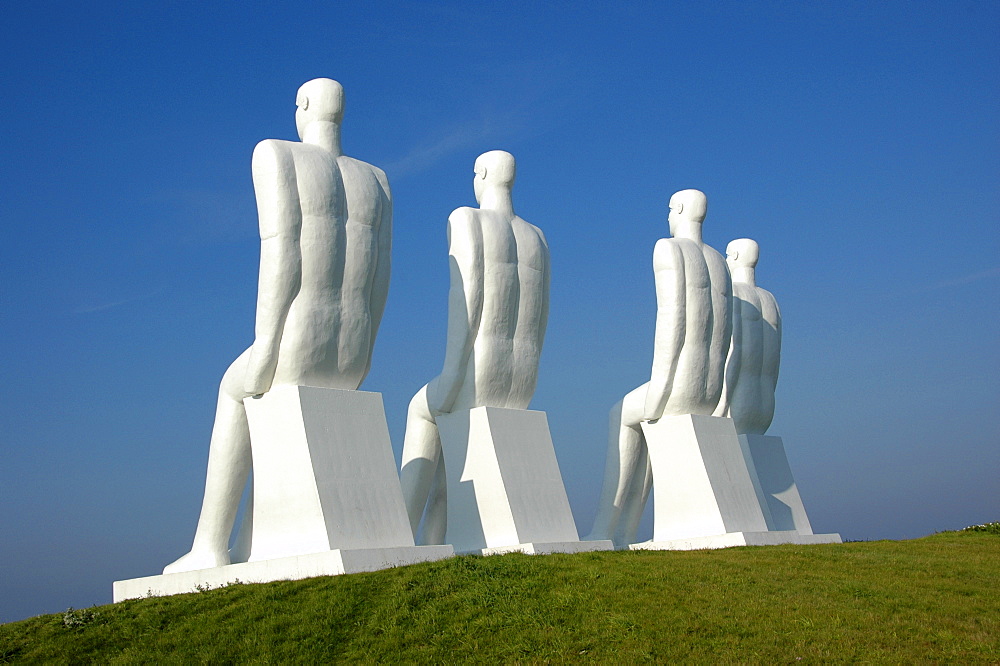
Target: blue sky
{"x": 858, "y": 143}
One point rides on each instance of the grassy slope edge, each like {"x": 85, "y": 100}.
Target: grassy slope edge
{"x": 931, "y": 599}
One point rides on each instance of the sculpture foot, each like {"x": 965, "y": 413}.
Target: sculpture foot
{"x": 198, "y": 560}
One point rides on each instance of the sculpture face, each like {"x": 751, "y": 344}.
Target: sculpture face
{"x": 673, "y": 219}
{"x": 302, "y": 103}
{"x": 479, "y": 181}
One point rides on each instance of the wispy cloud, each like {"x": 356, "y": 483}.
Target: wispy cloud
{"x": 204, "y": 216}
{"x": 109, "y": 305}
{"x": 428, "y": 153}
{"x": 968, "y": 279}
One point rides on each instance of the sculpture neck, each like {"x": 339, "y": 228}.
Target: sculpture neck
{"x": 325, "y": 134}
{"x": 687, "y": 229}
{"x": 744, "y": 274}
{"x": 498, "y": 199}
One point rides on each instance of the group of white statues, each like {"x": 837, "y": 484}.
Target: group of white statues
{"x": 325, "y": 226}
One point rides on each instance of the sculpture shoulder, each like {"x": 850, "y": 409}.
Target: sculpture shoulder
{"x": 364, "y": 167}
{"x": 520, "y": 224}
{"x": 769, "y": 304}
{"x": 272, "y": 155}
{"x": 667, "y": 254}
{"x": 464, "y": 218}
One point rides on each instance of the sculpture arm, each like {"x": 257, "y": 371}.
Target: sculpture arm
{"x": 668, "y": 271}
{"x": 383, "y": 259}
{"x": 280, "y": 217}
{"x": 465, "y": 308}
{"x": 543, "y": 319}
{"x": 733, "y": 363}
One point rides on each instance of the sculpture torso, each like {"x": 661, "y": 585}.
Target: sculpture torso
{"x": 757, "y": 348}
{"x": 698, "y": 312}
{"x": 329, "y": 332}
{"x": 503, "y": 368}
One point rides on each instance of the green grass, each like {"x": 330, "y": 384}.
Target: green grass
{"x": 935, "y": 599}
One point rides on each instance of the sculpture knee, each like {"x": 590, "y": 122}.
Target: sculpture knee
{"x": 232, "y": 384}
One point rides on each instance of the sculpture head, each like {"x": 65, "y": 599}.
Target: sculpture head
{"x": 742, "y": 253}
{"x": 319, "y": 99}
{"x": 686, "y": 206}
{"x": 495, "y": 169}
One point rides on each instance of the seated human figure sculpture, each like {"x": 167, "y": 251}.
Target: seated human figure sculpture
{"x": 325, "y": 227}
{"x": 497, "y": 312}
{"x": 752, "y": 369}
{"x": 692, "y": 339}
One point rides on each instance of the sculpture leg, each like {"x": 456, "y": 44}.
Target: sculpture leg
{"x": 229, "y": 462}
{"x": 240, "y": 552}
{"x": 635, "y": 503}
{"x": 435, "y": 526}
{"x": 626, "y": 455}
{"x": 421, "y": 460}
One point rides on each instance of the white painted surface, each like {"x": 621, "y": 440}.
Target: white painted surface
{"x": 329, "y": 563}
{"x": 777, "y": 486}
{"x": 324, "y": 474}
{"x": 504, "y": 485}
{"x": 325, "y": 227}
{"x": 498, "y": 306}
{"x": 703, "y": 486}
{"x": 694, "y": 300}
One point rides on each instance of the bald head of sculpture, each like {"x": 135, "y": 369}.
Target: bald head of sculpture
{"x": 687, "y": 207}
{"x": 495, "y": 171}
{"x": 743, "y": 253}
{"x": 318, "y": 100}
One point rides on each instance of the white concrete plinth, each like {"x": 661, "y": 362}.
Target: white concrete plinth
{"x": 702, "y": 486}
{"x": 737, "y": 539}
{"x": 504, "y": 485}
{"x": 329, "y": 563}
{"x": 324, "y": 477}
{"x": 766, "y": 457}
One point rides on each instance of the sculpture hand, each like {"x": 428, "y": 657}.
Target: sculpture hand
{"x": 259, "y": 374}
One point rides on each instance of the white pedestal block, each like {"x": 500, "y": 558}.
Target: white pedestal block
{"x": 702, "y": 486}
{"x": 737, "y": 539}
{"x": 326, "y": 495}
{"x": 505, "y": 492}
{"x": 324, "y": 477}
{"x": 329, "y": 563}
{"x": 766, "y": 457}
{"x": 714, "y": 489}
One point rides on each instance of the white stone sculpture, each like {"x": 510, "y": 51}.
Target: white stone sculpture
{"x": 498, "y": 306}
{"x": 325, "y": 228}
{"x": 752, "y": 368}
{"x": 751, "y": 378}
{"x": 693, "y": 333}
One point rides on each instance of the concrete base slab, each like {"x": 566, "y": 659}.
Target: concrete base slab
{"x": 328, "y": 563}
{"x": 731, "y": 539}
{"x": 535, "y": 548}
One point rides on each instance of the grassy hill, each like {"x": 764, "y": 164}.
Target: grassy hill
{"x": 932, "y": 599}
